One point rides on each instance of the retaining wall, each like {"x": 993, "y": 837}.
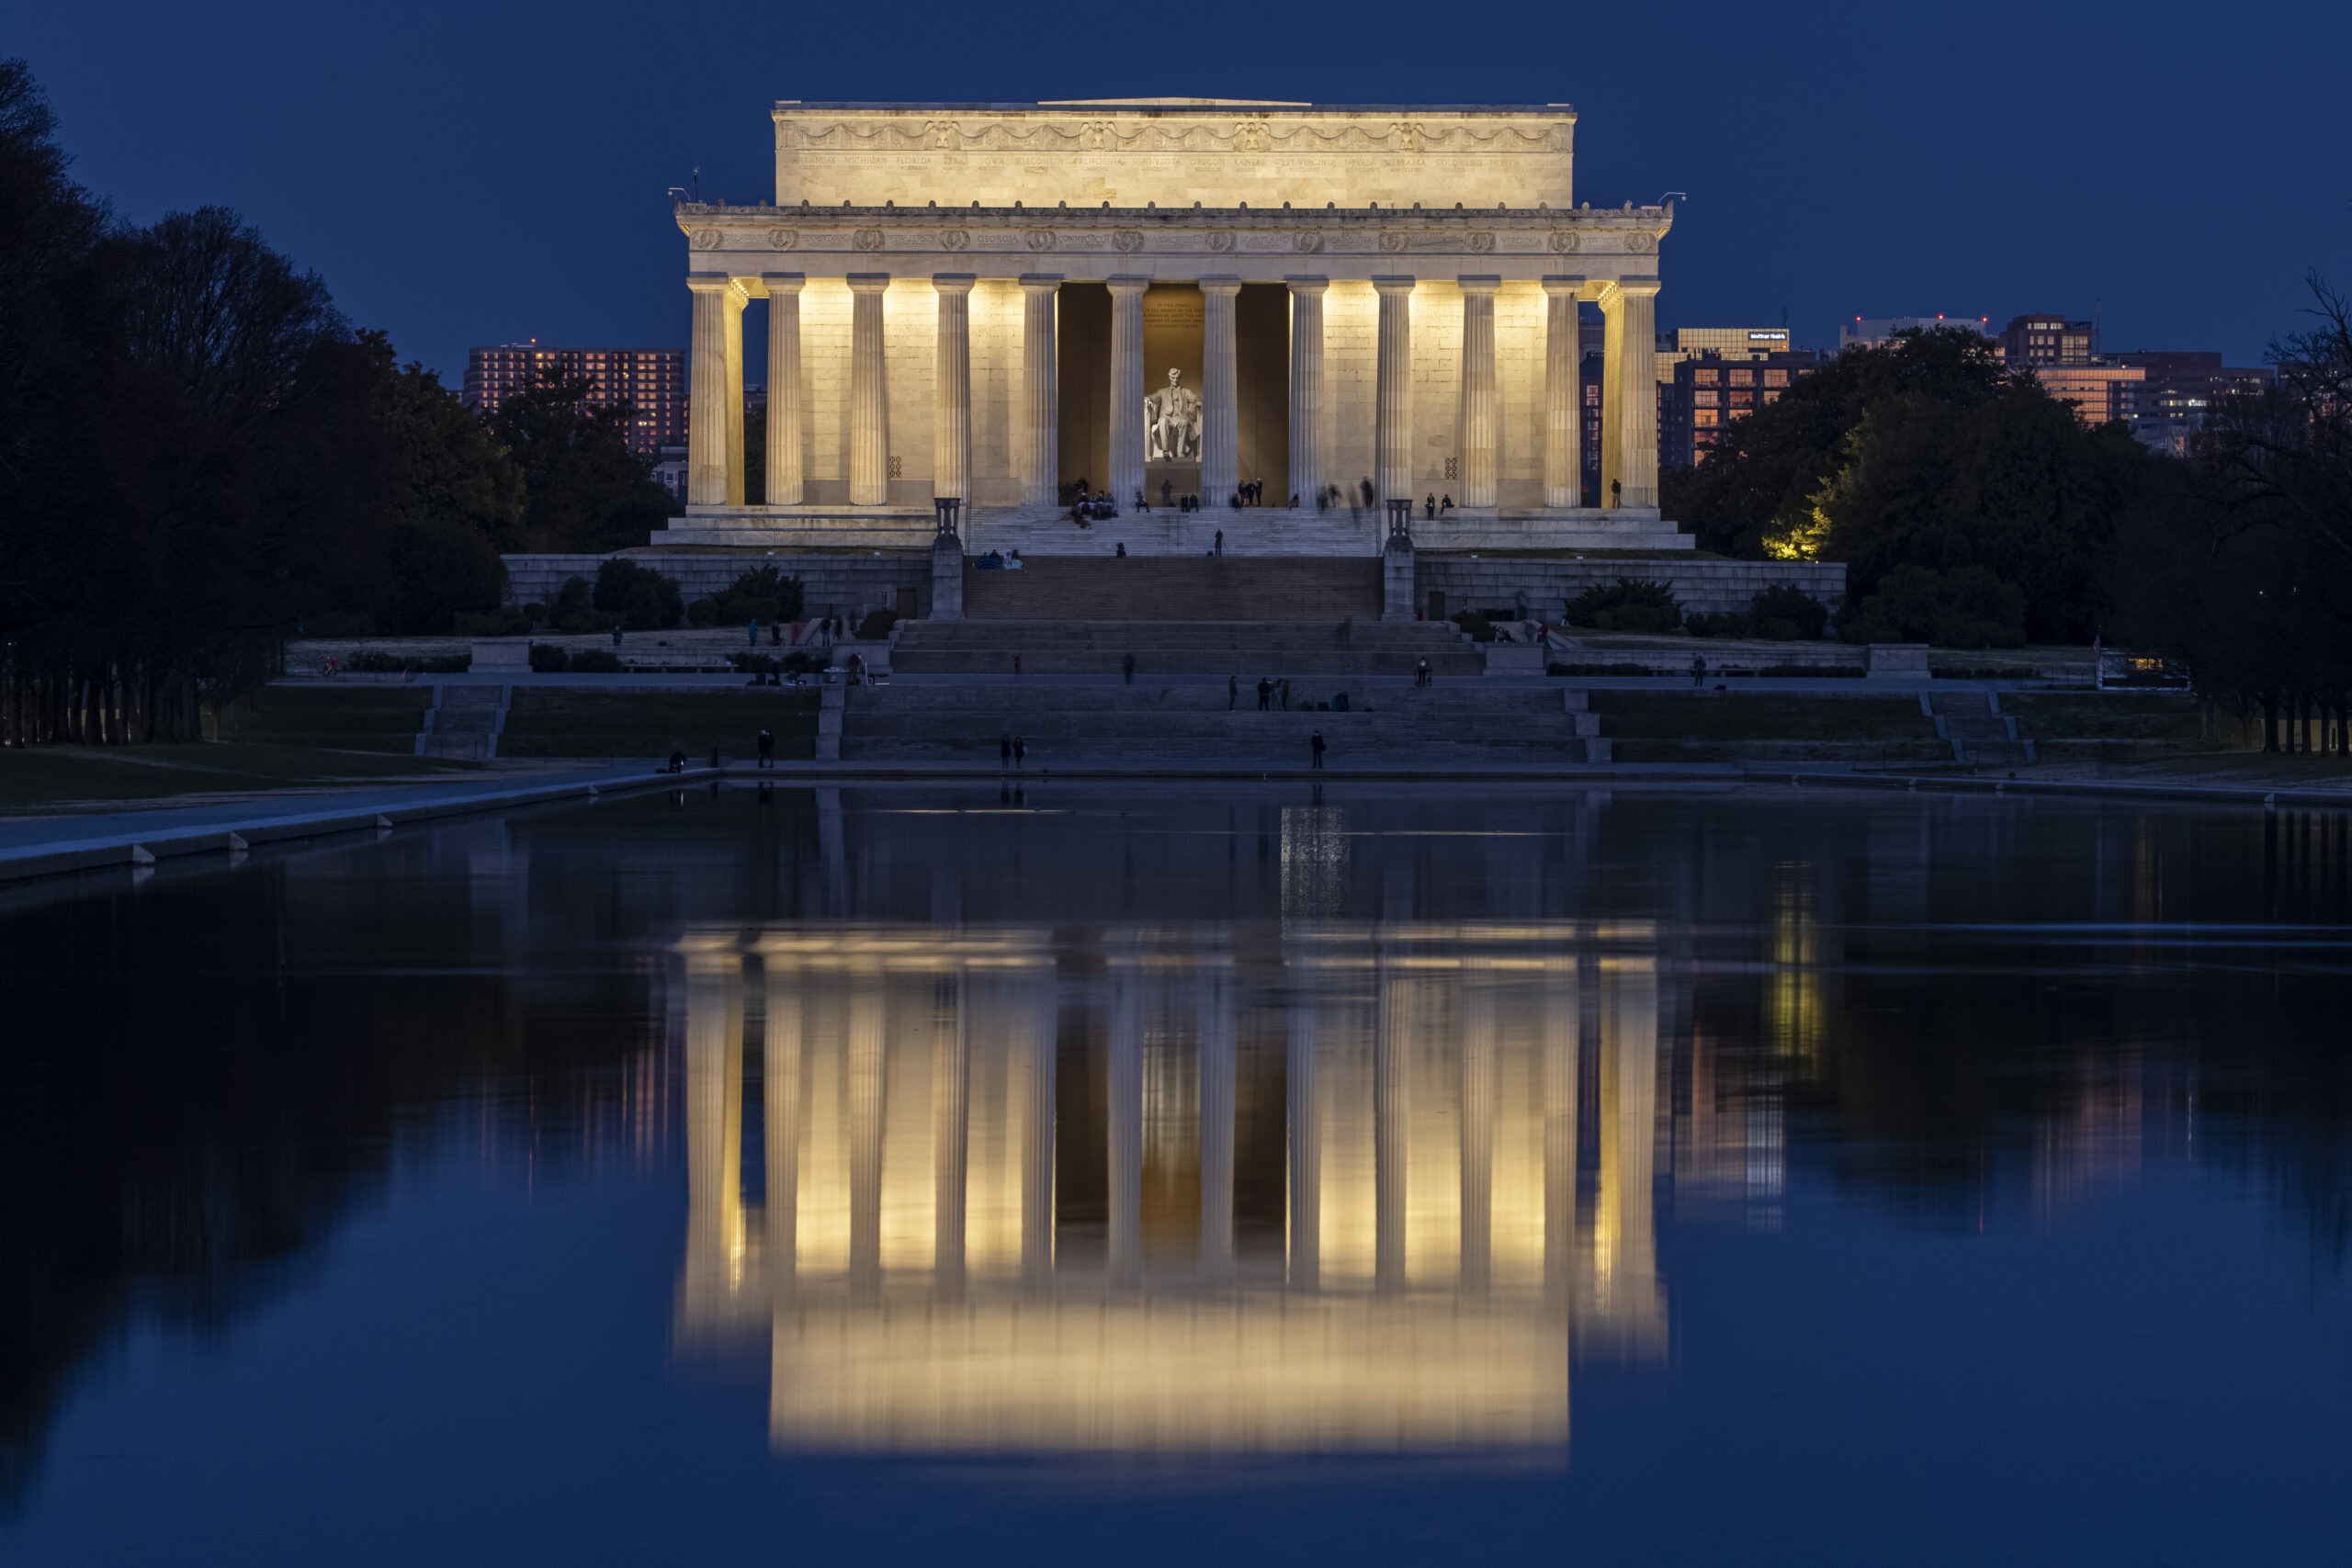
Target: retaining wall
{"x": 1703, "y": 586}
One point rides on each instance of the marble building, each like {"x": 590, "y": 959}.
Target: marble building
{"x": 988, "y": 303}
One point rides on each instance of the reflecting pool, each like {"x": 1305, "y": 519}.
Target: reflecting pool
{"x": 1162, "y": 1174}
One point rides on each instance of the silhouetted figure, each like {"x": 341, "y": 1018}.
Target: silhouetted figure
{"x": 1127, "y": 669}
{"x": 767, "y": 748}
{"x": 1315, "y": 744}
{"x": 1005, "y": 752}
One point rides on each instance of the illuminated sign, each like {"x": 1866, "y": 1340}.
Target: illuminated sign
{"x": 1781, "y": 335}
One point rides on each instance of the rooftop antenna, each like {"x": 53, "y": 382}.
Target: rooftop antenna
{"x": 697, "y": 182}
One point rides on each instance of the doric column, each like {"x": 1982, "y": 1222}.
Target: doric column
{"x": 1481, "y": 410}
{"x": 1041, "y": 477}
{"x": 869, "y": 412}
{"x": 1307, "y": 425}
{"x": 1392, "y": 1115}
{"x": 1220, "y": 385}
{"x": 1124, "y": 1134}
{"x": 783, "y": 485}
{"x": 867, "y": 1111}
{"x": 780, "y": 1070}
{"x": 1563, "y": 394}
{"x": 951, "y": 399}
{"x": 715, "y": 1229}
{"x": 1629, "y": 393}
{"x": 714, "y": 436}
{"x": 1391, "y": 444}
{"x": 951, "y": 1079}
{"x": 1126, "y": 389}
{"x": 1216, "y": 1123}
{"x": 1476, "y": 1011}
{"x": 1305, "y": 1155}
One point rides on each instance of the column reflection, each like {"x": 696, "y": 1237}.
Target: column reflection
{"x": 1414, "y": 1271}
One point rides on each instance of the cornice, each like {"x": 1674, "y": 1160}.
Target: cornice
{"x": 1268, "y": 129}
{"x": 1159, "y": 231}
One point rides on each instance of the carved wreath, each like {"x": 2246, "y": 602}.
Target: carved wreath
{"x": 705, "y": 239}
{"x": 1040, "y": 239}
{"x": 1639, "y": 242}
{"x": 1482, "y": 241}
{"x": 954, "y": 239}
{"x": 1308, "y": 244}
{"x": 1127, "y": 240}
{"x": 867, "y": 238}
{"x": 1220, "y": 240}
{"x": 782, "y": 239}
{"x": 1394, "y": 240}
{"x": 1564, "y": 240}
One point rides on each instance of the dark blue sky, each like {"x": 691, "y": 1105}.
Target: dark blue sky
{"x": 466, "y": 173}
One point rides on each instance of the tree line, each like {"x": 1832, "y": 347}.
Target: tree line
{"x": 1972, "y": 509}
{"x": 200, "y": 458}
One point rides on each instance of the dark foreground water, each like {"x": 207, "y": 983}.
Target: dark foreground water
{"x": 1190, "y": 1176}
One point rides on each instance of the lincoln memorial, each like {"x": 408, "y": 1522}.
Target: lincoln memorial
{"x": 1339, "y": 306}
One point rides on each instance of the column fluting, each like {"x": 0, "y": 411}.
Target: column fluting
{"x": 1481, "y": 410}
{"x": 869, "y": 417}
{"x": 1126, "y": 389}
{"x": 1220, "y": 385}
{"x": 706, "y": 392}
{"x": 1308, "y": 432}
{"x": 1393, "y": 394}
{"x": 784, "y": 473}
{"x": 1041, "y": 477}
{"x": 1637, "y": 462}
{"x": 951, "y": 419}
{"x": 1563, "y": 394}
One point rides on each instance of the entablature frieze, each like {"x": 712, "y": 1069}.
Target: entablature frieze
{"x": 1094, "y": 241}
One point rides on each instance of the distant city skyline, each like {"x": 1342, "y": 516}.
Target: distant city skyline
{"x": 464, "y": 175}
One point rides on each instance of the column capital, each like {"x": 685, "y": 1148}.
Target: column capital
{"x": 1307, "y": 284}
{"x": 782, "y": 282}
{"x": 953, "y": 282}
{"x": 1392, "y": 285}
{"x": 717, "y": 283}
{"x": 1126, "y": 284}
{"x": 1568, "y": 286}
{"x": 1219, "y": 283}
{"x": 1486, "y": 284}
{"x": 868, "y": 282}
{"x": 1638, "y": 287}
{"x": 1045, "y": 281}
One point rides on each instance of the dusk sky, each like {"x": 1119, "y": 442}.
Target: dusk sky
{"x": 471, "y": 173}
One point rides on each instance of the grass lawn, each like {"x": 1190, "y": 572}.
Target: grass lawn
{"x": 2104, "y": 716}
{"x": 1711, "y": 716}
{"x": 350, "y": 718}
{"x": 577, "y": 722}
{"x": 54, "y": 778}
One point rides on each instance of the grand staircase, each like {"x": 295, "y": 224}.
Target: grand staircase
{"x": 1176, "y": 588}
{"x": 1072, "y": 724}
{"x": 1247, "y": 648}
{"x": 1981, "y": 736}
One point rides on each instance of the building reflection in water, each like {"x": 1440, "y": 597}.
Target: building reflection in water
{"x": 1293, "y": 1185}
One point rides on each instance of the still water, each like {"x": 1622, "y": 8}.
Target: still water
{"x": 1190, "y": 1176}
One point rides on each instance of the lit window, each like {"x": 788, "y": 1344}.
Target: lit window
{"x": 1743, "y": 378}
{"x": 1705, "y": 397}
{"x": 1741, "y": 399}
{"x": 1776, "y": 378}
{"x": 1704, "y": 378}
{"x": 1772, "y": 396}
{"x": 1704, "y": 419}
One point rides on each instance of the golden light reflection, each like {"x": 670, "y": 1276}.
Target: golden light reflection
{"x": 1319, "y": 1188}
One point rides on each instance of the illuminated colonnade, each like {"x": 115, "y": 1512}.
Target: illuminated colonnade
{"x": 904, "y": 1253}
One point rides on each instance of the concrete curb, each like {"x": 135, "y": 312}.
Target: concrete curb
{"x": 2210, "y": 795}
{"x": 145, "y": 848}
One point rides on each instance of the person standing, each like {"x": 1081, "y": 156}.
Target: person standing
{"x": 1016, "y": 664}
{"x": 1698, "y": 669}
{"x": 751, "y": 633}
{"x": 1232, "y": 692}
{"x": 1315, "y": 744}
{"x": 1220, "y": 541}
{"x": 1005, "y": 752}
{"x": 1265, "y": 695}
{"x": 1422, "y": 676}
{"x": 767, "y": 748}
{"x": 1286, "y": 692}
{"x": 1020, "y": 755}
{"x": 1127, "y": 669}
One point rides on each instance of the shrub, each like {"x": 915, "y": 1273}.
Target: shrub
{"x": 436, "y": 569}
{"x": 535, "y": 613}
{"x": 1480, "y": 628}
{"x": 368, "y": 662}
{"x": 506, "y": 621}
{"x": 594, "y": 662}
{"x": 1967, "y": 607}
{"x": 1726, "y": 623}
{"x": 702, "y": 613}
{"x": 547, "y": 659}
{"x": 793, "y": 663}
{"x": 877, "y": 626}
{"x": 762, "y": 593}
{"x": 1628, "y": 604}
{"x": 1788, "y": 615}
{"x": 574, "y": 610}
{"x": 339, "y": 623}
{"x": 643, "y": 598}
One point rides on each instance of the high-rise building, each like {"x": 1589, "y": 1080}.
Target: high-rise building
{"x": 2028, "y": 343}
{"x": 1878, "y": 330}
{"x": 2101, "y": 393}
{"x": 652, "y": 381}
{"x": 1709, "y": 391}
{"x": 2180, "y": 390}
